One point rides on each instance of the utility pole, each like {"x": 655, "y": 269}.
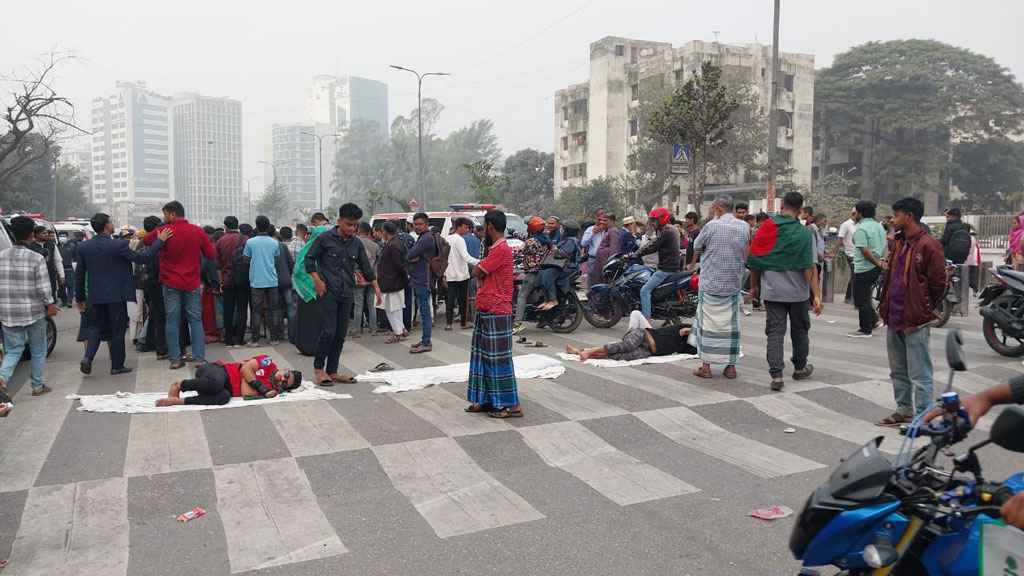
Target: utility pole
{"x": 419, "y": 130}
{"x": 773, "y": 117}
{"x": 320, "y": 160}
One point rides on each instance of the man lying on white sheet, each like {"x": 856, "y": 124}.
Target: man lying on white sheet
{"x": 641, "y": 341}
{"x": 216, "y": 383}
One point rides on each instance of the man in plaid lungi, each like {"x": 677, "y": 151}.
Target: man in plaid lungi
{"x": 492, "y": 377}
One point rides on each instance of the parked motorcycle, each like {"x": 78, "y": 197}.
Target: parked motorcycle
{"x": 564, "y": 318}
{"x": 914, "y": 517}
{"x": 1002, "y": 307}
{"x": 951, "y": 299}
{"x": 624, "y": 275}
{"x": 51, "y": 341}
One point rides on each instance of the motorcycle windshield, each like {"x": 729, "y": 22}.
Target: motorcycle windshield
{"x": 863, "y": 476}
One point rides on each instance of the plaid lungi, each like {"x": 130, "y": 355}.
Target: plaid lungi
{"x": 717, "y": 328}
{"x": 630, "y": 348}
{"x": 492, "y": 376}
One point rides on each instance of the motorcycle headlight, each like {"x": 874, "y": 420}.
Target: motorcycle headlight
{"x": 879, "y": 555}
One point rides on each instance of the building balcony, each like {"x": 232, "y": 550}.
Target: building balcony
{"x": 785, "y": 139}
{"x": 787, "y": 101}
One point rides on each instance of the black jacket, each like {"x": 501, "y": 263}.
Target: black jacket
{"x": 337, "y": 259}
{"x": 105, "y": 270}
{"x": 667, "y": 247}
{"x": 391, "y": 274}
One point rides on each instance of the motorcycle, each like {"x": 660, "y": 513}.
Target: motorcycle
{"x": 912, "y": 518}
{"x": 562, "y": 319}
{"x": 951, "y": 298}
{"x": 624, "y": 275}
{"x": 1002, "y": 308}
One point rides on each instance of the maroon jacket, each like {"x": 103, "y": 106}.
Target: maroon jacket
{"x": 226, "y": 248}
{"x": 182, "y": 254}
{"x": 924, "y": 273}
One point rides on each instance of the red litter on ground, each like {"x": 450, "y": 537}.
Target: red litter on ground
{"x": 194, "y": 513}
{"x": 772, "y": 512}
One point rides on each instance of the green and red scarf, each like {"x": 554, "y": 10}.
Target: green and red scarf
{"x": 780, "y": 244}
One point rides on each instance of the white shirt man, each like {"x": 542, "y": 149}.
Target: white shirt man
{"x": 846, "y": 231}
{"x": 459, "y": 259}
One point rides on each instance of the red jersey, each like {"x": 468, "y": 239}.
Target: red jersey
{"x": 264, "y": 371}
{"x": 495, "y": 292}
{"x": 181, "y": 255}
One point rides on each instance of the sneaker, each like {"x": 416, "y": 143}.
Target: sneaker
{"x": 803, "y": 373}
{"x": 859, "y": 334}
{"x": 44, "y": 389}
{"x": 777, "y": 383}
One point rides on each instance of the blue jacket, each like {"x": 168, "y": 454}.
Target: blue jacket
{"x": 105, "y": 270}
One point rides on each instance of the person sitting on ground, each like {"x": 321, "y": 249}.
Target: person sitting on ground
{"x": 218, "y": 382}
{"x": 641, "y": 341}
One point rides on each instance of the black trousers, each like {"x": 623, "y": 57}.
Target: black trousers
{"x": 799, "y": 318}
{"x": 270, "y": 297}
{"x": 863, "y": 284}
{"x": 109, "y": 322}
{"x": 236, "y": 312}
{"x": 335, "y": 313}
{"x": 211, "y": 382}
{"x": 458, "y": 294}
{"x": 155, "y": 334}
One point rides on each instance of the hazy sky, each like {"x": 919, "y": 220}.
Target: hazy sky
{"x": 507, "y": 58}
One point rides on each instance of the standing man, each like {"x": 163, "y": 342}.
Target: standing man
{"x": 692, "y": 230}
{"x": 869, "y": 243}
{"x": 235, "y": 291}
{"x": 419, "y": 258}
{"x": 106, "y": 285}
{"x": 742, "y": 211}
{"x": 260, "y": 254}
{"x": 783, "y": 272}
{"x": 474, "y": 248}
{"x": 180, "y": 261}
{"x": 492, "y": 376}
{"x": 25, "y": 302}
{"x": 956, "y": 237}
{"x": 611, "y": 245}
{"x": 457, "y": 274}
{"x": 667, "y": 247}
{"x": 153, "y": 295}
{"x": 301, "y": 233}
{"x": 363, "y": 292}
{"x": 332, "y": 261}
{"x": 846, "y": 230}
{"x": 721, "y": 248}
{"x": 591, "y": 244}
{"x": 915, "y": 283}
{"x": 68, "y": 255}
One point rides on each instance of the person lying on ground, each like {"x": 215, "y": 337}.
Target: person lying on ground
{"x": 218, "y": 382}
{"x": 641, "y": 341}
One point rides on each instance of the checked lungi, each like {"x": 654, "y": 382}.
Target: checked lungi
{"x": 492, "y": 376}
{"x": 717, "y": 328}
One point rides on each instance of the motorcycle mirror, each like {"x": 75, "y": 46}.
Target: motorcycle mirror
{"x": 1006, "y": 429}
{"x": 955, "y": 351}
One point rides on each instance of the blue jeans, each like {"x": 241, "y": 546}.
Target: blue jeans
{"x": 192, "y": 301}
{"x": 645, "y": 293}
{"x": 15, "y": 340}
{"x": 910, "y": 367}
{"x": 426, "y": 320}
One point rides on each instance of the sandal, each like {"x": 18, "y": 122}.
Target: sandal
{"x": 342, "y": 378}
{"x": 506, "y": 413}
{"x": 703, "y": 372}
{"x": 477, "y": 408}
{"x": 895, "y": 420}
{"x": 393, "y": 339}
{"x": 382, "y": 367}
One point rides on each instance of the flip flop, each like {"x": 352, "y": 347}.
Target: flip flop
{"x": 477, "y": 408}
{"x": 343, "y": 378}
{"x": 382, "y": 367}
{"x": 506, "y": 413}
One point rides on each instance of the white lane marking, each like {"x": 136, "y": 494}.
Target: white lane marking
{"x": 447, "y": 488}
{"x": 656, "y": 384}
{"x": 445, "y": 411}
{"x": 614, "y": 474}
{"x": 359, "y": 357}
{"x": 169, "y": 442}
{"x": 271, "y": 516}
{"x": 310, "y": 428}
{"x": 686, "y": 427}
{"x": 72, "y": 529}
{"x": 800, "y": 412}
{"x": 566, "y": 401}
{"x": 155, "y": 375}
{"x": 881, "y": 393}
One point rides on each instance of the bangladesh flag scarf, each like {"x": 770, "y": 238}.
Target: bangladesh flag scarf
{"x": 302, "y": 282}
{"x": 780, "y": 244}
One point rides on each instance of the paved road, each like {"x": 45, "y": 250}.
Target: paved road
{"x": 634, "y": 471}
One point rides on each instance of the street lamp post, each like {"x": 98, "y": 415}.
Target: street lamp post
{"x": 248, "y": 195}
{"x": 320, "y": 160}
{"x": 773, "y": 116}
{"x": 419, "y": 119}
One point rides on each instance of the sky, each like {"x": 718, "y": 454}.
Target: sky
{"x": 506, "y": 58}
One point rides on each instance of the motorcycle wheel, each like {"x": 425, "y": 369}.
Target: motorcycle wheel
{"x": 611, "y": 318}
{"x": 998, "y": 340}
{"x": 51, "y": 336}
{"x": 944, "y": 313}
{"x": 565, "y": 322}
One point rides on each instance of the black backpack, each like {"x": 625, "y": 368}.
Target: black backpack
{"x": 239, "y": 267}
{"x": 959, "y": 245}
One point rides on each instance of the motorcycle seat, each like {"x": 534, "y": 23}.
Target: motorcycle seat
{"x": 676, "y": 277}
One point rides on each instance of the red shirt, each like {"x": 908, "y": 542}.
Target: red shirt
{"x": 180, "y": 256}
{"x": 495, "y": 292}
{"x": 265, "y": 370}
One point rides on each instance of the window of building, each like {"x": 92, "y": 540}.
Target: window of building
{"x": 680, "y": 75}
{"x": 583, "y": 170}
{"x": 565, "y": 113}
{"x": 634, "y": 92}
{"x": 580, "y": 138}
{"x": 634, "y": 54}
{"x": 788, "y": 82}
{"x": 565, "y": 142}
{"x": 579, "y": 106}
{"x": 620, "y": 50}
{"x": 565, "y": 172}
{"x": 634, "y": 127}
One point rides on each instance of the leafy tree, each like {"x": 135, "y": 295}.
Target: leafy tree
{"x": 904, "y": 102}
{"x": 274, "y": 204}
{"x": 483, "y": 181}
{"x": 527, "y": 182}
{"x": 582, "y": 202}
{"x": 31, "y": 189}
{"x": 989, "y": 173}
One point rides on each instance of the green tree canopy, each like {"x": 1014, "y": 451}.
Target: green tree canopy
{"x": 274, "y": 204}
{"x": 990, "y": 174}
{"x": 527, "y": 181}
{"x": 583, "y": 202}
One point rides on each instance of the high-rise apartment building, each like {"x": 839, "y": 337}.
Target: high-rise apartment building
{"x": 294, "y": 165}
{"x": 80, "y": 158}
{"x": 597, "y": 123}
{"x": 208, "y": 157}
{"x": 132, "y": 152}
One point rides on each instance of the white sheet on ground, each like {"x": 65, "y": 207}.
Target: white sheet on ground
{"x": 138, "y": 403}
{"x": 609, "y": 363}
{"x": 527, "y": 366}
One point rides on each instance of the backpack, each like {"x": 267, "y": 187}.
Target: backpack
{"x": 439, "y": 263}
{"x": 239, "y": 268}
{"x": 959, "y": 245}
{"x": 284, "y": 264}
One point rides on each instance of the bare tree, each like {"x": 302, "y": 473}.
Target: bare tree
{"x": 34, "y": 107}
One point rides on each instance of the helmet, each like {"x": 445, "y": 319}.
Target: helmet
{"x": 662, "y": 215}
{"x": 534, "y": 225}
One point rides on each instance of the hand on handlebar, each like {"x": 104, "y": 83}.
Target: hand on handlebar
{"x": 977, "y": 405}
{"x": 1013, "y": 511}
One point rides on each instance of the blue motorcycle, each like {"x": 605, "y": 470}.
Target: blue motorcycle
{"x": 623, "y": 276}
{"x": 912, "y": 518}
